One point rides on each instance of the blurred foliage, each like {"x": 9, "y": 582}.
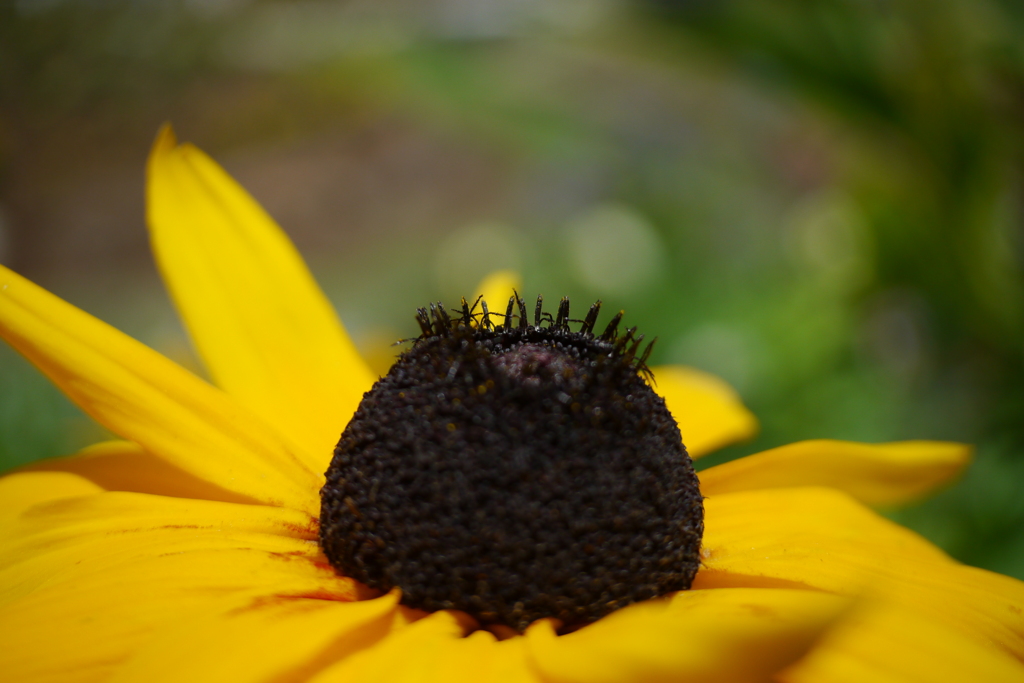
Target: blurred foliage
{"x": 930, "y": 95}
{"x": 820, "y": 201}
{"x": 61, "y": 60}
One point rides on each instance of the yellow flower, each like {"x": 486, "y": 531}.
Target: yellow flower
{"x": 188, "y": 551}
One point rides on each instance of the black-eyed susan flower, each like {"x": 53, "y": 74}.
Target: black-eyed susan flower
{"x": 191, "y": 549}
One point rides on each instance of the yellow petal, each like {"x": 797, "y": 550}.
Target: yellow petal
{"x": 710, "y": 414}
{"x": 102, "y": 619}
{"x": 100, "y": 574}
{"x": 408, "y": 654}
{"x": 496, "y": 289}
{"x": 67, "y": 536}
{"x": 140, "y": 395}
{"x": 824, "y": 539}
{"x": 22, "y": 490}
{"x": 265, "y": 330}
{"x": 261, "y": 638}
{"x": 727, "y": 635}
{"x": 480, "y": 658}
{"x": 883, "y": 644}
{"x": 125, "y": 466}
{"x": 882, "y": 474}
{"x": 814, "y": 536}
{"x": 425, "y": 652}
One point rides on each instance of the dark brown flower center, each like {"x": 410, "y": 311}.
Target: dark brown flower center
{"x": 514, "y": 472}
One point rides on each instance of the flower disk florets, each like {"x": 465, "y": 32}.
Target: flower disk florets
{"x": 515, "y": 472}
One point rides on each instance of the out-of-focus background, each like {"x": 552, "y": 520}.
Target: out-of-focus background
{"x": 821, "y": 201}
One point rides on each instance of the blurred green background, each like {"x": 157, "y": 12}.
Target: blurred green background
{"x": 821, "y": 201}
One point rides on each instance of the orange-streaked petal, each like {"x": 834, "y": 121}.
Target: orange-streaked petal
{"x": 875, "y": 474}
{"x": 824, "y": 539}
{"x": 883, "y": 644}
{"x": 261, "y": 638}
{"x": 265, "y": 330}
{"x": 142, "y": 396}
{"x": 496, "y": 289}
{"x": 126, "y": 466}
{"x": 710, "y": 414}
{"x": 727, "y": 635}
{"x": 408, "y": 654}
{"x": 100, "y": 574}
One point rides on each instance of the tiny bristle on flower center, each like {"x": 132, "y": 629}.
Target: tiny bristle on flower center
{"x": 514, "y": 468}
